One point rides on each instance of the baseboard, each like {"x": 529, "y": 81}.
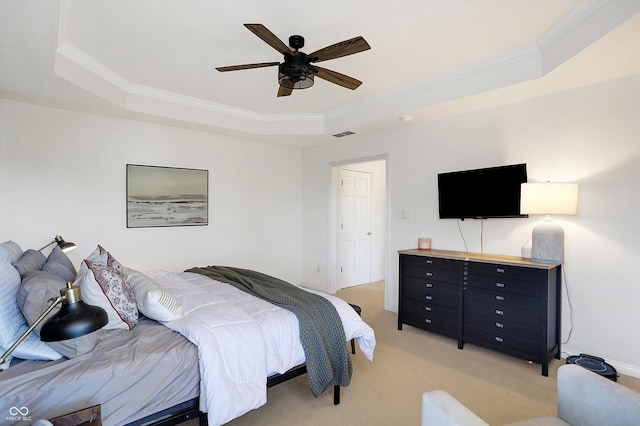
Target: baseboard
{"x": 621, "y": 367}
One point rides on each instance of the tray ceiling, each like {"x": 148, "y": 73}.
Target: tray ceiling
{"x": 155, "y": 59}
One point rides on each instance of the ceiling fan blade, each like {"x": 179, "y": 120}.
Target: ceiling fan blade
{"x": 344, "y": 48}
{"x": 337, "y": 78}
{"x": 284, "y": 91}
{"x": 247, "y": 66}
{"x": 268, "y": 37}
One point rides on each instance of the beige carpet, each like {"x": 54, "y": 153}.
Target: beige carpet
{"x": 387, "y": 391}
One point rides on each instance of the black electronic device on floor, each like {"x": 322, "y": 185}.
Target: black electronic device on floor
{"x": 595, "y": 364}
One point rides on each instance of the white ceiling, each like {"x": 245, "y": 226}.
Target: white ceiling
{"x": 154, "y": 59}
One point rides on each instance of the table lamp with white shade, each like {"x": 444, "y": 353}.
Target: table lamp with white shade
{"x": 549, "y": 198}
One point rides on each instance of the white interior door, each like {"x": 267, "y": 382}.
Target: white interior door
{"x": 354, "y": 231}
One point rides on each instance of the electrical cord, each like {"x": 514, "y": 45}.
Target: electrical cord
{"x": 466, "y": 248}
{"x": 566, "y": 287}
{"x": 462, "y": 235}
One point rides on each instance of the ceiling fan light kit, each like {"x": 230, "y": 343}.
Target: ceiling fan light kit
{"x": 303, "y": 80}
{"x": 297, "y": 70}
{"x": 296, "y": 73}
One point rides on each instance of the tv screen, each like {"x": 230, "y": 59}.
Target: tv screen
{"x": 481, "y": 193}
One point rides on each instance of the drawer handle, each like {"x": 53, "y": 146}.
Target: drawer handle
{"x": 427, "y": 308}
{"x": 499, "y": 339}
{"x": 499, "y": 297}
{"x": 429, "y": 297}
{"x": 429, "y": 261}
{"x": 499, "y": 325}
{"x": 427, "y": 320}
{"x": 429, "y": 274}
{"x": 500, "y": 270}
{"x": 501, "y": 285}
{"x": 429, "y": 285}
{"x": 499, "y": 312}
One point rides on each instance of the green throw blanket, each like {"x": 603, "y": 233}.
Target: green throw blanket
{"x": 321, "y": 331}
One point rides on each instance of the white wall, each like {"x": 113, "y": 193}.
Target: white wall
{"x": 589, "y": 136}
{"x": 63, "y": 172}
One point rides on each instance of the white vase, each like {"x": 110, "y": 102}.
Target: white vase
{"x": 526, "y": 250}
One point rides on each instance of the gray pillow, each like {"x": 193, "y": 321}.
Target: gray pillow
{"x": 10, "y": 252}
{"x": 60, "y": 265}
{"x": 33, "y": 296}
{"x": 13, "y": 323}
{"x": 31, "y": 260}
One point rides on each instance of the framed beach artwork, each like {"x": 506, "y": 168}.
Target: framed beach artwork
{"x": 166, "y": 196}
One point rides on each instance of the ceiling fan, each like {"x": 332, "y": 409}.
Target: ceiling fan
{"x": 297, "y": 70}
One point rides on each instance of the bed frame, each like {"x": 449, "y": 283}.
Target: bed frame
{"x": 189, "y": 410}
{"x": 175, "y": 415}
{"x": 295, "y": 372}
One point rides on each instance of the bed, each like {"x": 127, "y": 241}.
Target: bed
{"x": 162, "y": 369}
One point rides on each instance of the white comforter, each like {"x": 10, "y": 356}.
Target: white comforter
{"x": 242, "y": 340}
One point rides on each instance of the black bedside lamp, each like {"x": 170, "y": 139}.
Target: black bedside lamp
{"x": 74, "y": 319}
{"x": 64, "y": 245}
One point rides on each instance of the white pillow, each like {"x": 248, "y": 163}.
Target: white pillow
{"x": 97, "y": 255}
{"x": 13, "y": 323}
{"x": 153, "y": 300}
{"x": 102, "y": 283}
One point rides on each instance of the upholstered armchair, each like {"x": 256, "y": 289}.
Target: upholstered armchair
{"x": 584, "y": 399}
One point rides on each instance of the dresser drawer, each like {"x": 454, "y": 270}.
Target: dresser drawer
{"x": 501, "y": 299}
{"x": 430, "y": 310}
{"x": 430, "y": 291}
{"x": 519, "y": 273}
{"x": 496, "y": 324}
{"x": 431, "y": 323}
{"x": 499, "y": 341}
{"x": 503, "y": 313}
{"x": 431, "y": 268}
{"x": 506, "y": 284}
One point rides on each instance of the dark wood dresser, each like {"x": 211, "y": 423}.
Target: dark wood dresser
{"x": 504, "y": 303}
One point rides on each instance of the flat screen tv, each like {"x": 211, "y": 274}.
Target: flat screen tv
{"x": 492, "y": 192}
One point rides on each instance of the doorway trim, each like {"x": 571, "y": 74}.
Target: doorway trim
{"x": 334, "y": 222}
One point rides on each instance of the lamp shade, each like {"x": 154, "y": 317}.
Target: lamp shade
{"x": 65, "y": 246}
{"x": 301, "y": 80}
{"x": 74, "y": 319}
{"x": 549, "y": 198}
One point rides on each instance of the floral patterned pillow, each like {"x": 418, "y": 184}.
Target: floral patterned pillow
{"x": 103, "y": 283}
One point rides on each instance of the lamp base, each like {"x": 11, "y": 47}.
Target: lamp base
{"x": 547, "y": 242}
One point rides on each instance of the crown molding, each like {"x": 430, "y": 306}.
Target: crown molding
{"x": 585, "y": 24}
{"x": 510, "y": 68}
{"x": 588, "y": 22}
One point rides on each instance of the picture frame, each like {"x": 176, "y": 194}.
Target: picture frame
{"x": 160, "y": 196}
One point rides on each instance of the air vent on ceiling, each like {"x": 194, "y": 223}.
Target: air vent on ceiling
{"x": 347, "y": 133}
